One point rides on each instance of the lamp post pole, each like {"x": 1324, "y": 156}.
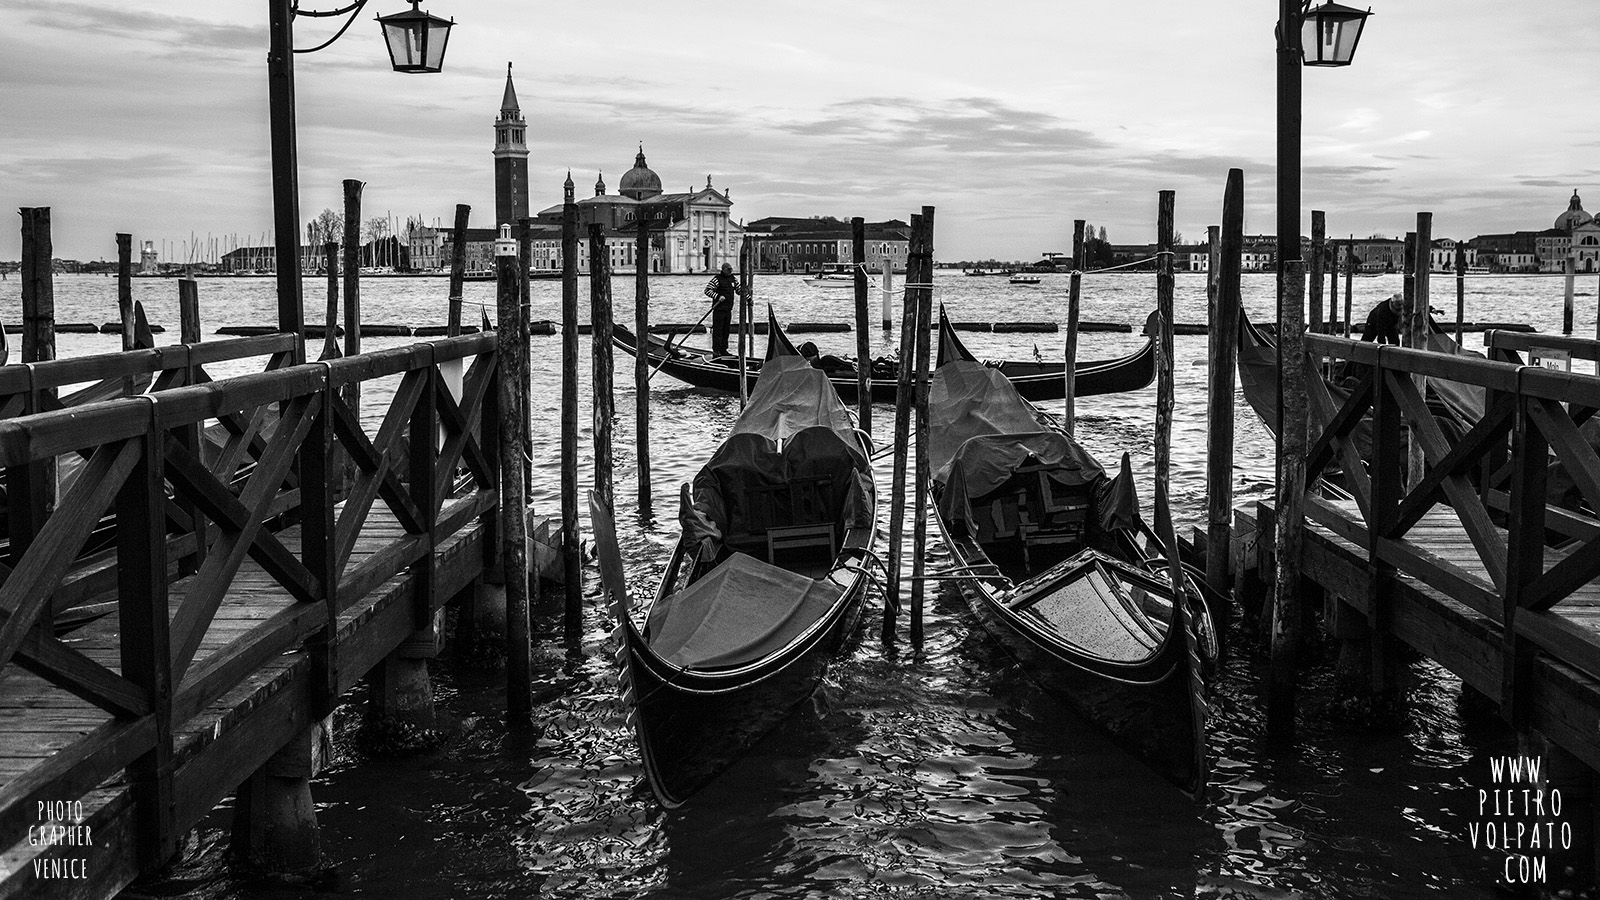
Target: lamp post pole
{"x": 285, "y": 173}
{"x": 1291, "y": 432}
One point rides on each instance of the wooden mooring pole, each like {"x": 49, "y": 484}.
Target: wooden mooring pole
{"x": 1571, "y": 268}
{"x": 924, "y": 474}
{"x": 1069, "y": 402}
{"x": 513, "y": 355}
{"x": 903, "y": 401}
{"x": 1461, "y": 291}
{"x": 1165, "y": 202}
{"x": 189, "y": 311}
{"x": 1417, "y": 328}
{"x": 125, "y": 298}
{"x": 1349, "y": 282}
{"x": 858, "y": 254}
{"x": 1319, "y": 241}
{"x": 641, "y": 364}
{"x": 352, "y": 286}
{"x": 746, "y": 287}
{"x": 604, "y": 403}
{"x": 524, "y": 327}
{"x": 458, "y": 269}
{"x": 31, "y": 488}
{"x": 1224, "y": 351}
{"x": 330, "y": 321}
{"x": 1333, "y": 287}
{"x": 571, "y": 560}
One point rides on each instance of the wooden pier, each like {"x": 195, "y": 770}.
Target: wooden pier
{"x": 1487, "y": 562}
{"x": 224, "y": 560}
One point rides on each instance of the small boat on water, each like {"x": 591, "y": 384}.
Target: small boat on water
{"x": 1060, "y": 569}
{"x": 763, "y": 588}
{"x": 833, "y": 275}
{"x": 1023, "y": 278}
{"x": 1035, "y": 380}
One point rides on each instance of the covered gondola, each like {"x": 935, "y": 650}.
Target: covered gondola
{"x": 1061, "y": 570}
{"x": 763, "y": 588}
{"x": 1035, "y": 380}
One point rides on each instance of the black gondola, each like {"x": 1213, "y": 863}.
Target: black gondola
{"x": 1036, "y": 381}
{"x": 1061, "y": 570}
{"x": 763, "y": 588}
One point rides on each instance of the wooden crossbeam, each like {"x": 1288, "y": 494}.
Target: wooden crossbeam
{"x": 1321, "y": 406}
{"x": 64, "y": 667}
{"x": 1574, "y": 453}
{"x": 375, "y": 464}
{"x": 461, "y": 421}
{"x": 376, "y": 456}
{"x": 228, "y": 551}
{"x": 195, "y": 482}
{"x": 58, "y": 543}
{"x": 1484, "y": 435}
{"x": 1454, "y": 484}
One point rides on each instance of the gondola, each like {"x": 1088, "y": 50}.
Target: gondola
{"x": 1061, "y": 570}
{"x": 763, "y": 588}
{"x": 1036, "y": 381}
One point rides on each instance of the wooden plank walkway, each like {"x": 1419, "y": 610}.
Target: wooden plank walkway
{"x": 221, "y": 742}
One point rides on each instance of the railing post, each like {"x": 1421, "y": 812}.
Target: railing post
{"x": 318, "y": 493}
{"x": 1388, "y": 487}
{"x": 145, "y": 650}
{"x": 1530, "y": 454}
{"x": 191, "y": 436}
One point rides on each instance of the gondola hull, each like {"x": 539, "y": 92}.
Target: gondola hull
{"x": 1147, "y": 709}
{"x": 692, "y": 726}
{"x": 1034, "y": 381}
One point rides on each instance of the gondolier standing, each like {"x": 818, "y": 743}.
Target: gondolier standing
{"x": 722, "y": 289}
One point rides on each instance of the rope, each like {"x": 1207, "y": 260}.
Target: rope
{"x": 1126, "y": 265}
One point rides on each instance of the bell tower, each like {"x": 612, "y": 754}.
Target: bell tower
{"x": 510, "y": 159}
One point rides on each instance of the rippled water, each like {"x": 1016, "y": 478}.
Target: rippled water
{"x": 937, "y": 773}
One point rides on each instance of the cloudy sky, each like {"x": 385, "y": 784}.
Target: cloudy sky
{"x": 1011, "y": 118}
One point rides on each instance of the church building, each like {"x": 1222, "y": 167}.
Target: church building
{"x": 689, "y": 232}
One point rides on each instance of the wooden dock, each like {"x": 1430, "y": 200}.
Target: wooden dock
{"x": 243, "y": 552}
{"x": 1484, "y": 557}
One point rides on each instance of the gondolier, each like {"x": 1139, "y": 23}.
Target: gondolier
{"x": 722, "y": 289}
{"x": 1383, "y": 322}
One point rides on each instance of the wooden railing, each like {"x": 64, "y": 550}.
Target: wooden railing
{"x": 30, "y": 487}
{"x": 286, "y": 435}
{"x": 1530, "y": 555}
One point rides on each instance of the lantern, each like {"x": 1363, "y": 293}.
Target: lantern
{"x": 1328, "y": 34}
{"x": 416, "y": 39}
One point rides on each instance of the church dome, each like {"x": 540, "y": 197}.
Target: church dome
{"x": 639, "y": 182}
{"x": 1574, "y": 216}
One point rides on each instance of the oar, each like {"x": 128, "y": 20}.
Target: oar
{"x": 643, "y": 347}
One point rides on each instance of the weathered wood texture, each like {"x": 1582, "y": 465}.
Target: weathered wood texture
{"x": 641, "y": 364}
{"x": 1224, "y": 338}
{"x": 572, "y": 563}
{"x": 904, "y": 399}
{"x": 858, "y": 253}
{"x": 511, "y": 344}
{"x": 195, "y": 675}
{"x": 924, "y": 473}
{"x": 1069, "y": 402}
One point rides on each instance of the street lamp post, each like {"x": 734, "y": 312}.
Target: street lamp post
{"x": 1325, "y": 35}
{"x": 416, "y": 42}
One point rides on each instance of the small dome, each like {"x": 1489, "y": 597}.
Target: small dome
{"x": 1574, "y": 216}
{"x": 639, "y": 182}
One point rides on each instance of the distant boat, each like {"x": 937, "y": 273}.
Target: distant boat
{"x": 1477, "y": 270}
{"x": 833, "y": 275}
{"x": 1020, "y": 278}
{"x": 980, "y": 272}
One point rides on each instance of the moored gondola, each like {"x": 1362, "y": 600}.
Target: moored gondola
{"x": 1036, "y": 381}
{"x": 1059, "y": 567}
{"x": 763, "y": 588}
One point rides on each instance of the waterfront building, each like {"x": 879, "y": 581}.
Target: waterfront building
{"x": 1442, "y": 255}
{"x": 1586, "y": 246}
{"x": 796, "y": 244}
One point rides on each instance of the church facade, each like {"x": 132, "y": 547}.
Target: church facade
{"x": 687, "y": 233}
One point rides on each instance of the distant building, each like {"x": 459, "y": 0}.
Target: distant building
{"x": 510, "y": 159}
{"x": 793, "y": 244}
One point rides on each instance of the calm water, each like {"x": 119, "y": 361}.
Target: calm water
{"x": 940, "y": 773}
